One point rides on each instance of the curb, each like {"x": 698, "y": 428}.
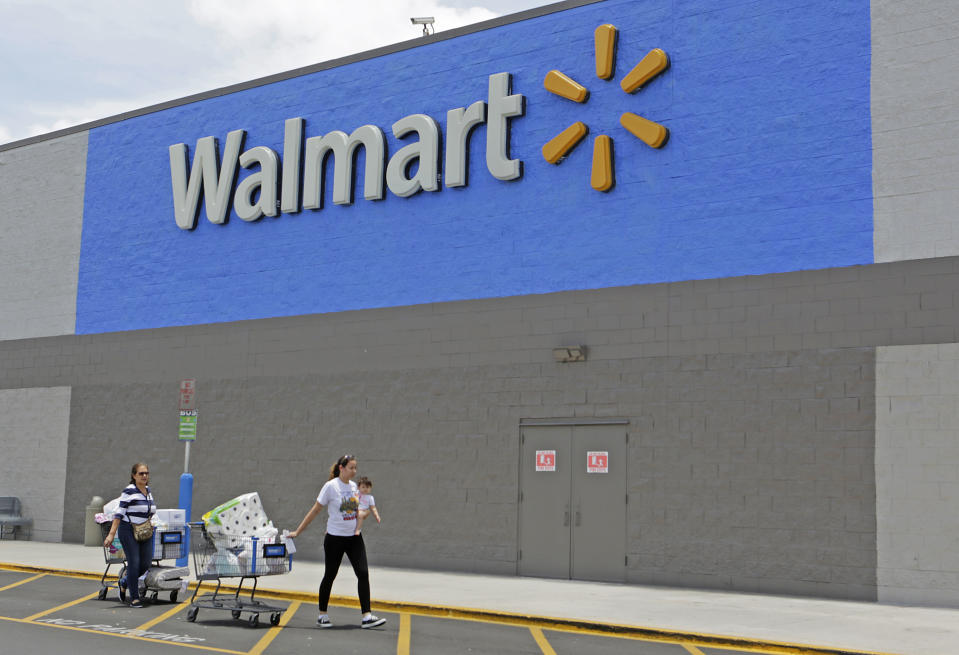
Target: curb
{"x": 527, "y": 620}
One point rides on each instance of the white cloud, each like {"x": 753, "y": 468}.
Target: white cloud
{"x": 302, "y": 32}
{"x": 70, "y": 62}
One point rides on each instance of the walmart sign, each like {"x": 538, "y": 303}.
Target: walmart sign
{"x": 606, "y": 144}
{"x": 256, "y": 196}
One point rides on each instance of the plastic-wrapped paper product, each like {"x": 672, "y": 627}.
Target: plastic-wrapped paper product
{"x": 111, "y": 507}
{"x": 241, "y": 517}
{"x": 165, "y": 577}
{"x": 264, "y": 565}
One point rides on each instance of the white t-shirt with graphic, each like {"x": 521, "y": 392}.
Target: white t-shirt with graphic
{"x": 341, "y": 501}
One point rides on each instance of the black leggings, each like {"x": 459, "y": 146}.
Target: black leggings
{"x": 334, "y": 548}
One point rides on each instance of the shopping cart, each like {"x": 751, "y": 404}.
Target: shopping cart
{"x": 113, "y": 554}
{"x": 218, "y": 557}
{"x": 169, "y": 542}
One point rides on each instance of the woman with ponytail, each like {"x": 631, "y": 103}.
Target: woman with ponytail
{"x": 341, "y": 496}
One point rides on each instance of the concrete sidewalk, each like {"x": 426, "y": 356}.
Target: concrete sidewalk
{"x": 834, "y": 626}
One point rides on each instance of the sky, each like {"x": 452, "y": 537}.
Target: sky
{"x": 69, "y": 62}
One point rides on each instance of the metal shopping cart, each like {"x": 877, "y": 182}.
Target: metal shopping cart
{"x": 169, "y": 542}
{"x": 113, "y": 554}
{"x": 218, "y": 557}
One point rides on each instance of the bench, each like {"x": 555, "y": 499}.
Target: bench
{"x": 10, "y": 517}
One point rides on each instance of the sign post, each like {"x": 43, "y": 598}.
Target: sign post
{"x": 187, "y": 434}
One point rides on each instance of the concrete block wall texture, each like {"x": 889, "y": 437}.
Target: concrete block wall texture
{"x": 34, "y": 433}
{"x": 917, "y": 473}
{"x": 915, "y": 128}
{"x": 41, "y": 202}
{"x": 752, "y": 467}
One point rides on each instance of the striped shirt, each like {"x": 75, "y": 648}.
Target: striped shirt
{"x": 134, "y": 506}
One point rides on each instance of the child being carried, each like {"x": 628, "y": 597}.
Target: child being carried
{"x": 367, "y": 503}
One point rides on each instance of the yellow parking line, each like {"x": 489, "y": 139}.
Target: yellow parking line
{"x": 122, "y": 636}
{"x": 163, "y": 617}
{"x": 275, "y": 630}
{"x": 64, "y": 606}
{"x": 17, "y": 584}
{"x": 403, "y": 641}
{"x": 541, "y": 640}
{"x": 692, "y": 649}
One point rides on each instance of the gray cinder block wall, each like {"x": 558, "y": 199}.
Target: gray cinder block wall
{"x": 751, "y": 405}
{"x": 33, "y": 433}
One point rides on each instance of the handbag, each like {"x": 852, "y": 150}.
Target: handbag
{"x": 142, "y": 531}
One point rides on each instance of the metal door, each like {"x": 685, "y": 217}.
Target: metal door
{"x": 599, "y": 503}
{"x": 544, "y": 508}
{"x": 572, "y": 523}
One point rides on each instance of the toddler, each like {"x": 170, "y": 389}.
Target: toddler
{"x": 367, "y": 503}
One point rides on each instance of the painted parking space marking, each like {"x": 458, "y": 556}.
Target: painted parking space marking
{"x": 403, "y": 639}
{"x": 163, "y": 617}
{"x": 119, "y": 631}
{"x": 274, "y": 631}
{"x": 540, "y": 639}
{"x": 39, "y": 589}
{"x": 62, "y": 607}
{"x": 25, "y": 581}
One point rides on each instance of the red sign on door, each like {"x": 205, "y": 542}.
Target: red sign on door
{"x": 597, "y": 461}
{"x": 545, "y": 460}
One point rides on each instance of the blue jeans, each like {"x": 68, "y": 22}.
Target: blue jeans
{"x": 139, "y": 556}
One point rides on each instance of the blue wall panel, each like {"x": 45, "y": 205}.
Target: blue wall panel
{"x": 768, "y": 169}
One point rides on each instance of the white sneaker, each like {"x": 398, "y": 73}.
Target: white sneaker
{"x": 372, "y": 622}
{"x": 323, "y": 621}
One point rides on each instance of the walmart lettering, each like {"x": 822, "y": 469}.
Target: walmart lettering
{"x": 256, "y": 195}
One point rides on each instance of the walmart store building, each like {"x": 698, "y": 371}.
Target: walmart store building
{"x": 683, "y": 312}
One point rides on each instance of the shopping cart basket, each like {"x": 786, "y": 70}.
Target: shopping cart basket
{"x": 215, "y": 558}
{"x": 112, "y": 554}
{"x": 169, "y": 542}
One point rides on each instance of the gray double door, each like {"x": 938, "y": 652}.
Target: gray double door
{"x": 572, "y": 511}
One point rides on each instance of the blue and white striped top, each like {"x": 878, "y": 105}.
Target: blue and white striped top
{"x": 134, "y": 506}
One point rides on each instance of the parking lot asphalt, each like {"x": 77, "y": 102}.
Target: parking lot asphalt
{"x": 529, "y": 614}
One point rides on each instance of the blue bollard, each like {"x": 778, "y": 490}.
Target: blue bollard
{"x": 186, "y": 503}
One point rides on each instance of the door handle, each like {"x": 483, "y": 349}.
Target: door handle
{"x": 577, "y": 517}
{"x": 566, "y": 517}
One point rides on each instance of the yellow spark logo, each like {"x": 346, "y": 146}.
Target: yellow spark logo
{"x": 652, "y": 134}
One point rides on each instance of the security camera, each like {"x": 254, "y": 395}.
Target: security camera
{"x": 425, "y": 21}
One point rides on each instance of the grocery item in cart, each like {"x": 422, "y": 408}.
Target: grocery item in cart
{"x": 166, "y": 578}
{"x": 241, "y": 517}
{"x": 237, "y": 558}
{"x": 248, "y": 557}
